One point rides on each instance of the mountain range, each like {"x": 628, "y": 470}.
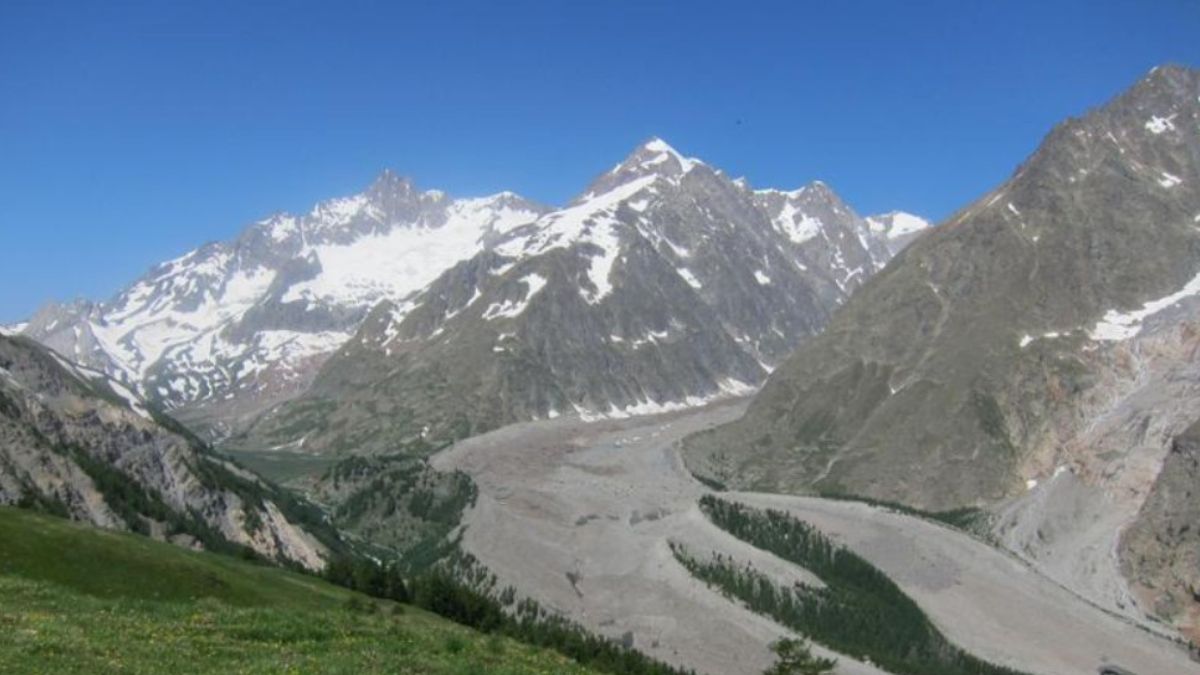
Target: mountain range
{"x": 332, "y": 329}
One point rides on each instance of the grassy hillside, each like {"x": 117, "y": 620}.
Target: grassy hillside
{"x": 76, "y": 599}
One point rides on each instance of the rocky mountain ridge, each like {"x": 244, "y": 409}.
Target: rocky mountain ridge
{"x": 1031, "y": 357}
{"x": 663, "y": 285}
{"x": 226, "y": 333}
{"x": 75, "y": 443}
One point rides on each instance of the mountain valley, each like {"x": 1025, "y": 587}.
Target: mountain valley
{"x": 992, "y": 422}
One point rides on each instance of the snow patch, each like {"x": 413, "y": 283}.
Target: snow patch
{"x": 145, "y": 325}
{"x": 396, "y": 263}
{"x": 666, "y": 152}
{"x": 340, "y": 211}
{"x": 1157, "y": 125}
{"x": 85, "y": 374}
{"x": 1026, "y": 339}
{"x": 287, "y": 349}
{"x": 281, "y": 227}
{"x": 1169, "y": 180}
{"x": 600, "y": 268}
{"x": 513, "y": 308}
{"x": 652, "y": 337}
{"x": 796, "y": 225}
{"x": 896, "y": 224}
{"x": 590, "y": 221}
{"x": 689, "y": 277}
{"x": 135, "y": 403}
{"x": 727, "y": 388}
{"x": 1116, "y": 326}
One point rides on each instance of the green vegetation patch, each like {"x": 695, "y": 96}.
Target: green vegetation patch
{"x": 860, "y": 612}
{"x": 110, "y": 564}
{"x": 74, "y": 599}
{"x": 966, "y": 518}
{"x": 399, "y": 503}
{"x": 48, "y": 629}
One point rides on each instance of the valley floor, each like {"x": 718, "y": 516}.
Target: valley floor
{"x": 579, "y": 516}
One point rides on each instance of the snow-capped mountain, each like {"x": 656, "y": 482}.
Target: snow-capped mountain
{"x": 663, "y": 285}
{"x": 228, "y": 330}
{"x": 229, "y": 327}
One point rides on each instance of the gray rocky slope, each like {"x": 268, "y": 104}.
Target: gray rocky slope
{"x": 1033, "y": 356}
{"x": 664, "y": 285}
{"x": 75, "y": 443}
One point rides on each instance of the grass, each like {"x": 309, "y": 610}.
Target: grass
{"x": 76, "y": 600}
{"x": 116, "y": 565}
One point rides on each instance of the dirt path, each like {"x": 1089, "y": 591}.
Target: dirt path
{"x": 579, "y": 516}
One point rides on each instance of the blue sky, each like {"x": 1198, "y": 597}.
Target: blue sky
{"x": 132, "y": 132}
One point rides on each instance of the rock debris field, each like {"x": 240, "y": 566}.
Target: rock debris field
{"x": 579, "y": 516}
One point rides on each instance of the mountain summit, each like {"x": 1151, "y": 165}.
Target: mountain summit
{"x": 654, "y": 156}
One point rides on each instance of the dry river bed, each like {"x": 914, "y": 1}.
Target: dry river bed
{"x": 578, "y": 516}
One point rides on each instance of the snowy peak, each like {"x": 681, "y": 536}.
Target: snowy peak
{"x": 803, "y": 214}
{"x": 653, "y": 159}
{"x": 897, "y": 223}
{"x": 389, "y": 200}
{"x": 898, "y": 228}
{"x": 397, "y": 198}
{"x": 388, "y": 182}
{"x": 657, "y": 156}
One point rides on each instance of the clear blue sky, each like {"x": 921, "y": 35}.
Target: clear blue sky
{"x": 132, "y": 132}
